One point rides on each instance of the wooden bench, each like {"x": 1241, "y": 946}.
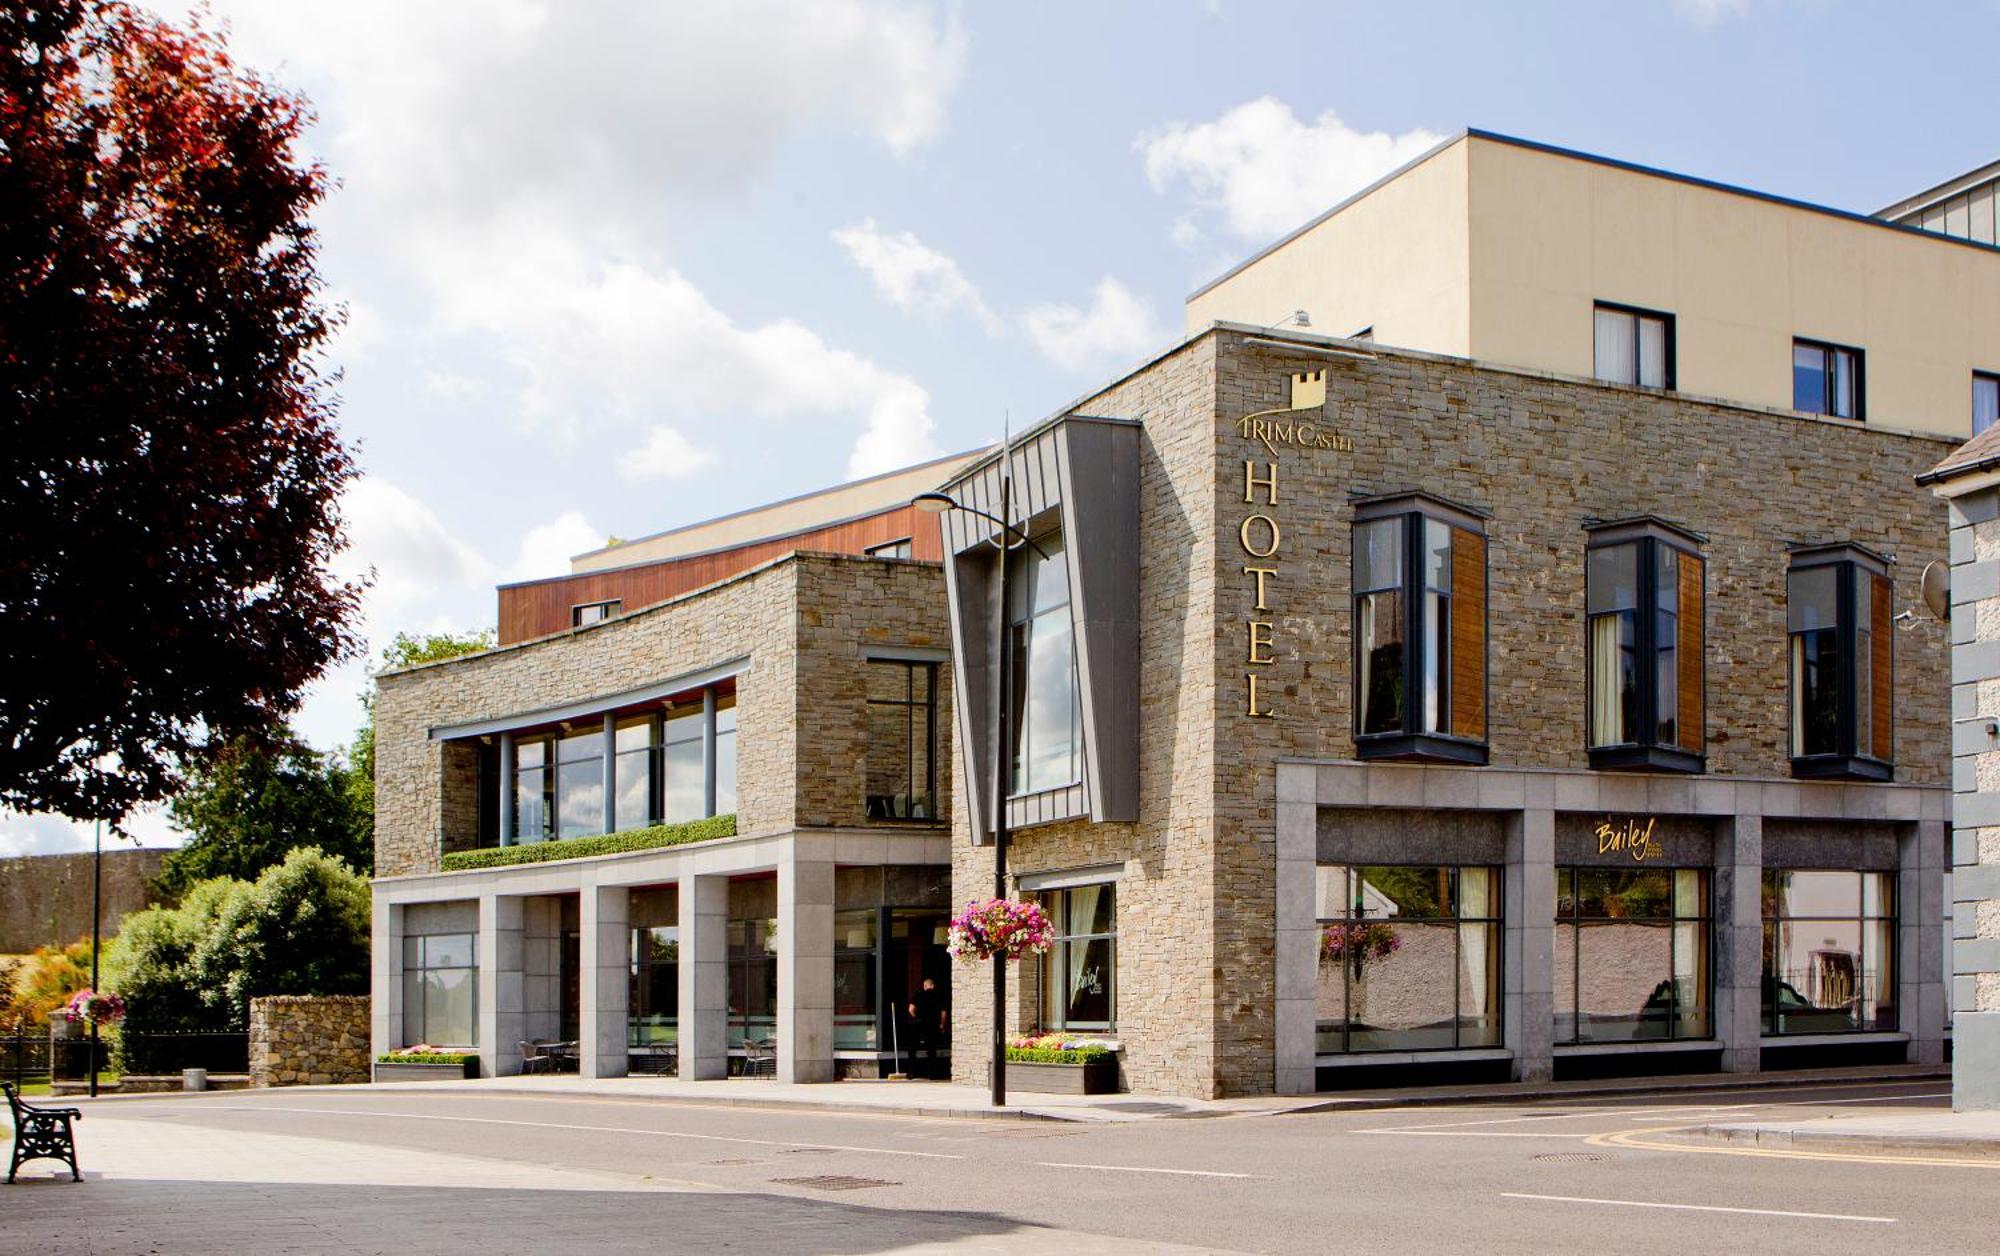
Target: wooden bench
{"x": 42, "y": 1134}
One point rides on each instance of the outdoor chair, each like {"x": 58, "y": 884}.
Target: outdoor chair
{"x": 42, "y": 1134}
{"x": 535, "y": 1057}
{"x": 760, "y": 1056}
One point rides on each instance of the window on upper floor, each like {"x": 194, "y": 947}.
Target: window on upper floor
{"x": 890, "y": 549}
{"x": 1840, "y": 649}
{"x": 1044, "y": 718}
{"x": 1634, "y": 346}
{"x": 902, "y": 740}
{"x": 1644, "y": 593}
{"x": 1419, "y": 630}
{"x": 594, "y": 612}
{"x": 1828, "y": 379}
{"x": 1985, "y": 400}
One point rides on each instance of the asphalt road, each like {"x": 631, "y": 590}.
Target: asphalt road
{"x": 380, "y": 1170}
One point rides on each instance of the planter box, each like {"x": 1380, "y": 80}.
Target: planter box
{"x": 1100, "y": 1078}
{"x": 387, "y": 1072}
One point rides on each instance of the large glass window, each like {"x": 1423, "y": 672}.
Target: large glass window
{"x": 1044, "y": 714}
{"x": 1985, "y": 401}
{"x": 1643, "y": 596}
{"x": 1632, "y": 954}
{"x": 856, "y": 1012}
{"x": 634, "y": 744}
{"x": 1829, "y": 951}
{"x": 1838, "y": 623}
{"x": 1079, "y": 973}
{"x": 441, "y": 990}
{"x": 681, "y": 765}
{"x": 902, "y": 740}
{"x": 753, "y": 980}
{"x": 1827, "y": 379}
{"x": 1419, "y": 661}
{"x": 534, "y": 786}
{"x": 1634, "y": 346}
{"x": 580, "y": 783}
{"x": 654, "y": 1016}
{"x": 1409, "y": 958}
{"x": 725, "y": 755}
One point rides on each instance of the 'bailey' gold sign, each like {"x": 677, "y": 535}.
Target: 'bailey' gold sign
{"x": 1629, "y": 837}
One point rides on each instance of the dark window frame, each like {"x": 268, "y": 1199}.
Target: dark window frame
{"x": 1830, "y": 374}
{"x": 1982, "y": 377}
{"x": 1495, "y": 921}
{"x": 911, "y": 704}
{"x": 905, "y": 544}
{"x": 1772, "y": 915}
{"x": 1669, "y": 367}
{"x": 1847, "y": 760}
{"x": 1647, "y": 752}
{"x": 1411, "y": 511}
{"x": 1055, "y": 902}
{"x": 609, "y": 609}
{"x": 1575, "y": 917}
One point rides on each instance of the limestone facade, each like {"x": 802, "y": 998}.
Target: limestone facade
{"x": 1201, "y": 976}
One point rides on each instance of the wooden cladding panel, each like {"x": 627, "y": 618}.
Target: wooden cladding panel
{"x": 1468, "y": 634}
{"x": 543, "y": 607}
{"x": 1688, "y": 715}
{"x": 1881, "y": 664}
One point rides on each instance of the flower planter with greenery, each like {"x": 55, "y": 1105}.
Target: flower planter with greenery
{"x": 1056, "y": 1064}
{"x": 1006, "y": 928}
{"x": 426, "y": 1064}
{"x": 581, "y": 847}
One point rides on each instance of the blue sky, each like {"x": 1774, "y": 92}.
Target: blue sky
{"x": 616, "y": 267}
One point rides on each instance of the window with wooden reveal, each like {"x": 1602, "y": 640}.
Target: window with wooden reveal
{"x": 1419, "y": 630}
{"x": 1645, "y": 592}
{"x": 1840, "y": 642}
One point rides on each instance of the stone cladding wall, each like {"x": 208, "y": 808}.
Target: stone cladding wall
{"x": 803, "y": 622}
{"x": 309, "y": 1040}
{"x": 1541, "y": 455}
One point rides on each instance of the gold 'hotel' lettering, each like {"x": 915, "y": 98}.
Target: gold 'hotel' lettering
{"x": 1260, "y": 536}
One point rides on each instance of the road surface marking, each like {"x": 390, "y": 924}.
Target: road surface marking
{"x": 1649, "y": 1203}
{"x": 1139, "y": 1168}
{"x": 1630, "y": 1138}
{"x": 593, "y": 1129}
{"x": 1472, "y": 1134}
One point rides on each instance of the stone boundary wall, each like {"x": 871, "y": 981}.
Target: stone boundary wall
{"x": 309, "y": 1040}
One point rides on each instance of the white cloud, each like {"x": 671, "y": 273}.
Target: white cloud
{"x": 1264, "y": 172}
{"x": 913, "y": 276}
{"x": 1117, "y": 328}
{"x": 666, "y": 455}
{"x": 407, "y": 547}
{"x": 57, "y": 835}
{"x": 1709, "y": 12}
{"x": 547, "y": 549}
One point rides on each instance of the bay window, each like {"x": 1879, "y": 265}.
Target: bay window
{"x": 1839, "y": 615}
{"x": 1044, "y": 716}
{"x": 1644, "y": 594}
{"x": 1419, "y": 630}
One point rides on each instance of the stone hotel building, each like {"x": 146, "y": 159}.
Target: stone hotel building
{"x": 1529, "y": 679}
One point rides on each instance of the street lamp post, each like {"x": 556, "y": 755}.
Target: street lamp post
{"x": 96, "y": 912}
{"x": 937, "y": 504}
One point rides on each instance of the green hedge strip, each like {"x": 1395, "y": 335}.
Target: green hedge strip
{"x": 608, "y": 844}
{"x": 424, "y": 1057}
{"x": 1059, "y": 1055}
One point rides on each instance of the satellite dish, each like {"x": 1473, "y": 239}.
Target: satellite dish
{"x": 1936, "y": 583}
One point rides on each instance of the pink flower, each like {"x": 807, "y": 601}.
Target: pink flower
{"x": 1004, "y": 927}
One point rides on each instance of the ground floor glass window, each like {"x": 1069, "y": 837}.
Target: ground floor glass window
{"x": 1829, "y": 951}
{"x": 1078, "y": 974}
{"x": 1632, "y": 954}
{"x": 440, "y": 989}
{"x": 1409, "y": 958}
{"x": 654, "y": 1015}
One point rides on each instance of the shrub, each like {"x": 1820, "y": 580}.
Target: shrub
{"x": 415, "y": 1056}
{"x": 580, "y": 847}
{"x": 151, "y": 961}
{"x": 301, "y": 928}
{"x": 1060, "y": 1049}
{"x": 44, "y": 982}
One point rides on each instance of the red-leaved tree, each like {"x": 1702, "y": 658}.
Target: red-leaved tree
{"x": 169, "y": 468}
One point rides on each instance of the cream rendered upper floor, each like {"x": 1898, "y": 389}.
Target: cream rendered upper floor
{"x": 1516, "y": 253}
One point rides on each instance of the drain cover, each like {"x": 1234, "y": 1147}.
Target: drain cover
{"x": 1569, "y": 1157}
{"x": 834, "y": 1182}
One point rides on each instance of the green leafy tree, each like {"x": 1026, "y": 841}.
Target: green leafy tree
{"x": 257, "y": 802}
{"x": 151, "y": 962}
{"x": 43, "y": 982}
{"x": 301, "y": 928}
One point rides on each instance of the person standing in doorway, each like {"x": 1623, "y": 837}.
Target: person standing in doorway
{"x": 930, "y": 1015}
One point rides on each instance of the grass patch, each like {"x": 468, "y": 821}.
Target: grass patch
{"x": 1060, "y": 1055}
{"x": 580, "y": 847}
{"x": 426, "y": 1057}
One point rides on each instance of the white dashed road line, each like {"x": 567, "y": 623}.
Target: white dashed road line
{"x": 1649, "y": 1203}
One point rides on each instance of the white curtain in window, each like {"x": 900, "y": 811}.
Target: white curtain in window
{"x": 1985, "y": 403}
{"x": 1370, "y": 638}
{"x": 1798, "y": 695}
{"x": 1653, "y": 352}
{"x": 1606, "y": 694}
{"x": 1616, "y": 352}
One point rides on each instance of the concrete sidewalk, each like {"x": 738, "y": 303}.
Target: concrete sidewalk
{"x": 1958, "y": 1135}
{"x": 941, "y": 1099}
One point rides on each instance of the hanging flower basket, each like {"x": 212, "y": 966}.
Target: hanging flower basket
{"x": 1004, "y": 927}
{"x": 1357, "y": 942}
{"x": 96, "y": 1007}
